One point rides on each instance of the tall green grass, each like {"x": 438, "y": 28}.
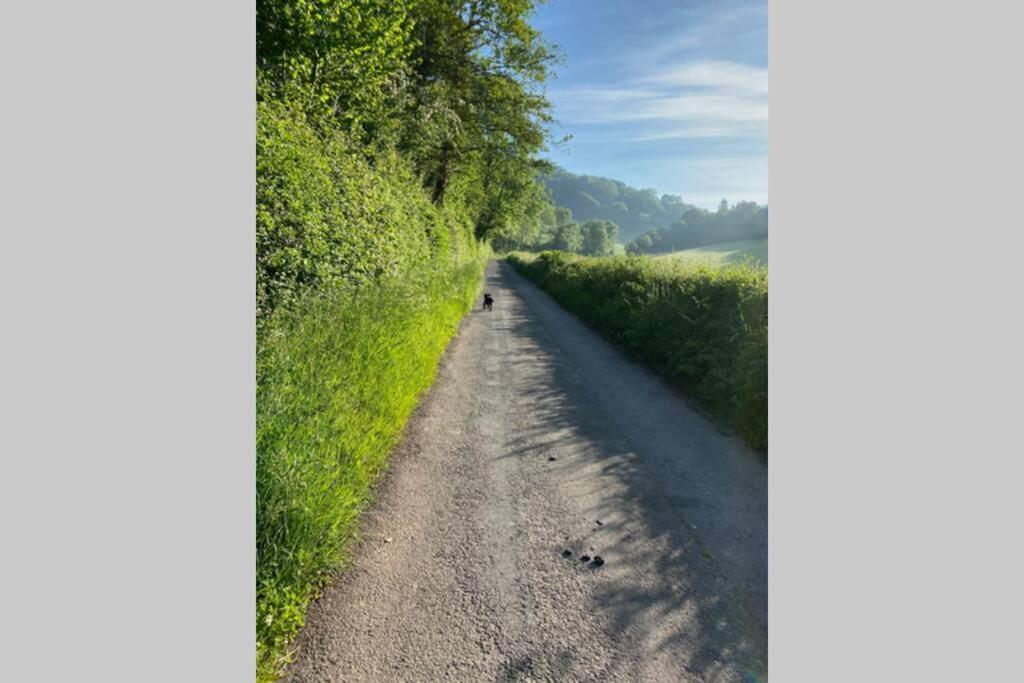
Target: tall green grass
{"x": 703, "y": 328}
{"x": 337, "y": 380}
{"x": 361, "y": 282}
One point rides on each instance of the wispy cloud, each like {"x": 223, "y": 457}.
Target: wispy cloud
{"x": 693, "y": 100}
{"x": 675, "y": 97}
{"x": 677, "y": 86}
{"x": 698, "y": 132}
{"x": 710, "y": 179}
{"x": 702, "y": 31}
{"x": 588, "y": 105}
{"x": 720, "y": 75}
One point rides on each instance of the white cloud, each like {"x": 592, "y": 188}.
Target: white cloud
{"x": 587, "y": 105}
{"x": 722, "y": 76}
{"x": 710, "y": 99}
{"x": 707, "y": 180}
{"x": 679, "y": 87}
{"x": 702, "y": 30}
{"x": 733, "y": 130}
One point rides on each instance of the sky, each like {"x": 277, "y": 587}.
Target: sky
{"x": 663, "y": 94}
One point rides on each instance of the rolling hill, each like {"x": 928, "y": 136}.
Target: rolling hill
{"x": 635, "y": 211}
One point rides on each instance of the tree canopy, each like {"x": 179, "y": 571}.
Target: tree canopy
{"x": 599, "y": 238}
{"x": 456, "y": 87}
{"x": 635, "y": 211}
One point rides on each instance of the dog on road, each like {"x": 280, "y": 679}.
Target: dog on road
{"x": 488, "y": 302}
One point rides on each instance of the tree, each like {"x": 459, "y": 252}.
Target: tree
{"x": 640, "y": 245}
{"x": 599, "y": 238}
{"x": 634, "y": 210}
{"x": 454, "y": 86}
{"x": 336, "y": 59}
{"x": 568, "y": 237}
{"x": 478, "y": 94}
{"x": 698, "y": 227}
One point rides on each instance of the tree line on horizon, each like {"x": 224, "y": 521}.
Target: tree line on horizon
{"x": 644, "y": 221}
{"x": 634, "y": 210}
{"x": 700, "y": 227}
{"x": 556, "y": 230}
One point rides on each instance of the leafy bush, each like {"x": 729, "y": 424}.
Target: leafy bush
{"x": 704, "y": 329}
{"x": 361, "y": 282}
{"x": 391, "y": 135}
{"x": 326, "y": 216}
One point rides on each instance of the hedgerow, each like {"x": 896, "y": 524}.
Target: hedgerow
{"x": 361, "y": 283}
{"x": 326, "y": 216}
{"x": 705, "y": 329}
{"x": 337, "y": 381}
{"x": 392, "y": 135}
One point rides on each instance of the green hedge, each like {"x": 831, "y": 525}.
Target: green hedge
{"x": 705, "y": 329}
{"x": 361, "y": 283}
{"x": 331, "y": 213}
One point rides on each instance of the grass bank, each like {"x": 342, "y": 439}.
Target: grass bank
{"x": 338, "y": 379}
{"x": 703, "y": 328}
{"x": 361, "y": 283}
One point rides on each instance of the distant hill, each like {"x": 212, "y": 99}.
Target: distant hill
{"x": 593, "y": 197}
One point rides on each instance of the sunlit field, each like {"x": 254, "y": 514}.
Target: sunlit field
{"x": 722, "y": 253}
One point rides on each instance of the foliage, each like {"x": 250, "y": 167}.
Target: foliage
{"x": 704, "y": 329}
{"x": 651, "y": 224}
{"x": 394, "y": 139}
{"x": 361, "y": 280}
{"x": 567, "y": 237}
{"x": 340, "y": 59}
{"x": 555, "y": 229}
{"x": 595, "y": 198}
{"x": 700, "y": 227}
{"x": 457, "y": 88}
{"x": 326, "y": 217}
{"x": 599, "y": 238}
{"x": 475, "y": 104}
{"x": 337, "y": 379}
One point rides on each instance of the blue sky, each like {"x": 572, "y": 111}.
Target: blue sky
{"x": 668, "y": 94}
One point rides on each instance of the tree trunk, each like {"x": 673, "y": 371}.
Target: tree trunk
{"x": 441, "y": 179}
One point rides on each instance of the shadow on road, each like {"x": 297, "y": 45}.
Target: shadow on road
{"x": 720, "y": 623}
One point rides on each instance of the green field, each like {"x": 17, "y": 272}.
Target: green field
{"x": 723, "y": 253}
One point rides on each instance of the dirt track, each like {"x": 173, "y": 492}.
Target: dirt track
{"x": 534, "y": 431}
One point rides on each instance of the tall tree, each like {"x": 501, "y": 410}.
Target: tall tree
{"x": 480, "y": 69}
{"x": 342, "y": 59}
{"x": 599, "y": 238}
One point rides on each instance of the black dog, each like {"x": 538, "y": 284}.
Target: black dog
{"x": 488, "y": 302}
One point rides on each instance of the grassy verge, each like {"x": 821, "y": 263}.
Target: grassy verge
{"x": 703, "y": 328}
{"x": 337, "y": 379}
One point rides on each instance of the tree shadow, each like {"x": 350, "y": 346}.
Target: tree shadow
{"x": 706, "y": 609}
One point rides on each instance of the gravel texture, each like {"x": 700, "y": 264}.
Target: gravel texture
{"x": 461, "y": 573}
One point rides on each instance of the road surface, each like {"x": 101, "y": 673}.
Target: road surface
{"x": 538, "y": 439}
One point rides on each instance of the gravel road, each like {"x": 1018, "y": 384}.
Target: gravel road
{"x": 539, "y": 439}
